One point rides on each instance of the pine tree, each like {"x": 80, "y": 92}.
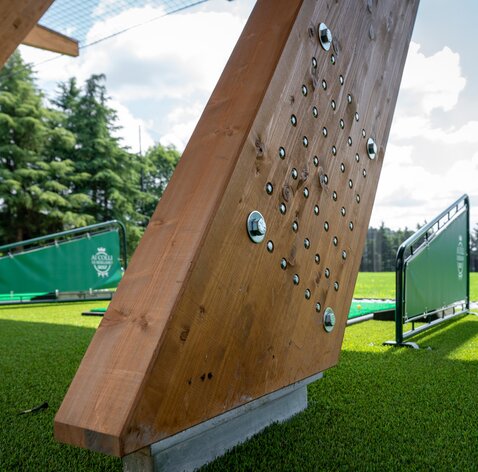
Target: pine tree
{"x": 36, "y": 195}
{"x": 109, "y": 174}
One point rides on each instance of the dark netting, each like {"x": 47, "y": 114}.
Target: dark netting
{"x": 75, "y": 19}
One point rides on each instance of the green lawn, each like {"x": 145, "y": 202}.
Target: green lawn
{"x": 382, "y": 285}
{"x": 381, "y": 408}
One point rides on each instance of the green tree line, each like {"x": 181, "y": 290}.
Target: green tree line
{"x": 382, "y": 244}
{"x": 61, "y": 164}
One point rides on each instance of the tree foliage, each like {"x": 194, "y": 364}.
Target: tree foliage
{"x": 62, "y": 165}
{"x": 35, "y": 172}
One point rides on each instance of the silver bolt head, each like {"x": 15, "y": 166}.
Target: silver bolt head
{"x": 325, "y": 36}
{"x": 256, "y": 227}
{"x": 371, "y": 148}
{"x": 329, "y": 319}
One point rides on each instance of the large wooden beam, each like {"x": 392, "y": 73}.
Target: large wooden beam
{"x": 45, "y": 38}
{"x": 206, "y": 320}
{"x": 17, "y": 18}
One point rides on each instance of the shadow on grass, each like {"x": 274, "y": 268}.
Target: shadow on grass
{"x": 37, "y": 363}
{"x": 379, "y": 409}
{"x": 390, "y": 409}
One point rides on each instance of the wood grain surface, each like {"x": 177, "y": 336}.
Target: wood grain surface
{"x": 204, "y": 319}
{"x": 45, "y": 38}
{"x": 17, "y": 18}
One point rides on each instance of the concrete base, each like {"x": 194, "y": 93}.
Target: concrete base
{"x": 195, "y": 447}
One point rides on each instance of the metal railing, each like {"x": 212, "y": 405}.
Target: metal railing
{"x": 423, "y": 237}
{"x": 54, "y": 238}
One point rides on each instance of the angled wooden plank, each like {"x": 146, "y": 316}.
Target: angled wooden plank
{"x": 17, "y": 18}
{"x": 45, "y": 38}
{"x": 204, "y": 319}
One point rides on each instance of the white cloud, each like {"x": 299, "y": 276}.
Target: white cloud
{"x": 434, "y": 81}
{"x": 131, "y": 125}
{"x": 165, "y": 68}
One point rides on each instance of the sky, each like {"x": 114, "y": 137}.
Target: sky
{"x": 160, "y": 76}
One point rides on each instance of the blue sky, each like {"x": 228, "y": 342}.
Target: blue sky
{"x": 161, "y": 75}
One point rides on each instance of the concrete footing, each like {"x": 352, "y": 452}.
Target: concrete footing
{"x": 195, "y": 447}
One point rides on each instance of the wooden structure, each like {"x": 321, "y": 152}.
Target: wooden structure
{"x": 18, "y": 24}
{"x": 206, "y": 320}
{"x": 45, "y": 38}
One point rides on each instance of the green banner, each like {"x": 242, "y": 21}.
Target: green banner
{"x": 86, "y": 263}
{"x": 436, "y": 276}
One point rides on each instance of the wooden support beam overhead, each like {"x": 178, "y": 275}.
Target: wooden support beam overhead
{"x": 45, "y": 38}
{"x": 17, "y": 18}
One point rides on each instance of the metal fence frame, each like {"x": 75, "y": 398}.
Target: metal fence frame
{"x": 406, "y": 251}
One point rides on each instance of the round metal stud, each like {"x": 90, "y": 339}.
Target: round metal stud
{"x": 324, "y": 132}
{"x": 325, "y": 36}
{"x": 356, "y": 116}
{"x": 336, "y": 240}
{"x": 349, "y": 141}
{"x": 332, "y": 59}
{"x": 329, "y": 320}
{"x": 305, "y": 141}
{"x": 270, "y": 246}
{"x": 283, "y": 264}
{"x": 351, "y": 226}
{"x": 307, "y": 294}
{"x": 324, "y": 84}
{"x": 306, "y": 192}
{"x": 334, "y": 150}
{"x": 325, "y": 179}
{"x": 282, "y": 152}
{"x": 343, "y": 211}
{"x": 333, "y": 104}
{"x": 314, "y": 63}
{"x": 304, "y": 90}
{"x": 327, "y": 272}
{"x": 351, "y": 184}
{"x": 316, "y": 209}
{"x": 344, "y": 255}
{"x": 336, "y": 286}
{"x": 295, "y": 226}
{"x": 357, "y": 157}
{"x": 269, "y": 188}
{"x": 357, "y": 198}
{"x": 315, "y": 112}
{"x": 256, "y": 227}
{"x": 282, "y": 208}
{"x": 293, "y": 120}
{"x": 341, "y": 79}
{"x": 371, "y": 148}
{"x": 318, "y": 307}
{"x": 295, "y": 279}
{"x": 316, "y": 161}
{"x": 326, "y": 226}
{"x": 317, "y": 259}
{"x": 342, "y": 123}
{"x": 294, "y": 173}
{"x": 364, "y": 133}
{"x": 364, "y": 173}
{"x": 334, "y": 195}
{"x": 349, "y": 98}
{"x": 307, "y": 243}
{"x": 342, "y": 167}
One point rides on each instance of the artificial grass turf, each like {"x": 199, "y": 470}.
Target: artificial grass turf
{"x": 382, "y": 285}
{"x": 41, "y": 347}
{"x": 381, "y": 408}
